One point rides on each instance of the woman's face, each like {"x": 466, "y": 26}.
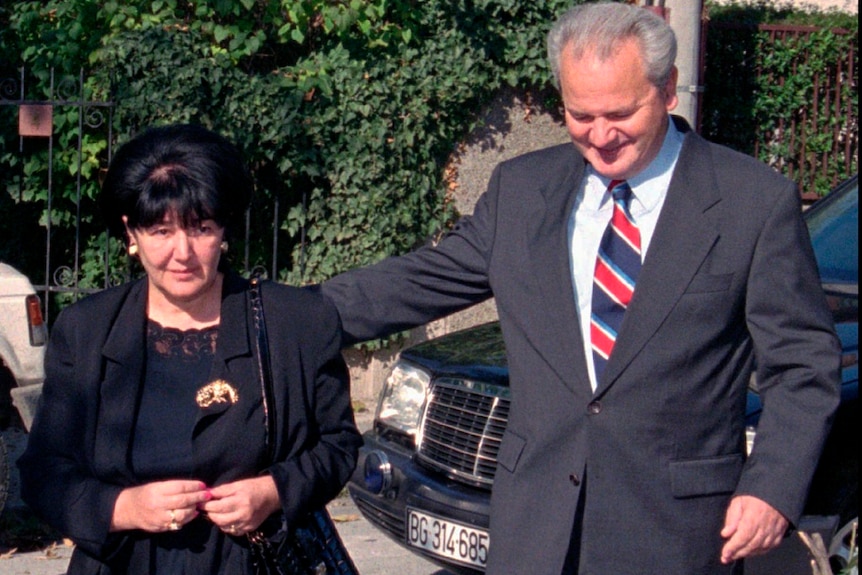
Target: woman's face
{"x": 181, "y": 263}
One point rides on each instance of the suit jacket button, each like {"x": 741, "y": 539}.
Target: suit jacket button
{"x": 574, "y": 479}
{"x": 594, "y": 408}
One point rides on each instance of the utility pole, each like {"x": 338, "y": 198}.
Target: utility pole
{"x": 684, "y": 17}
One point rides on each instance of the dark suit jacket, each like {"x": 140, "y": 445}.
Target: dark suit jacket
{"x": 658, "y": 450}
{"x": 77, "y": 458}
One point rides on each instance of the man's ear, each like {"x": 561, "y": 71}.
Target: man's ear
{"x": 670, "y": 96}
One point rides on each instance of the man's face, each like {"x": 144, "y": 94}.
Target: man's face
{"x": 617, "y": 119}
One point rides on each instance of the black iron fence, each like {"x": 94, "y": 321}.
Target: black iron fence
{"x": 36, "y": 107}
{"x": 787, "y": 95}
{"x": 56, "y": 141}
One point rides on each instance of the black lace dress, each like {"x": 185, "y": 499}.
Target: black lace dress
{"x": 178, "y": 364}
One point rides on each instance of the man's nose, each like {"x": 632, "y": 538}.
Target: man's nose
{"x": 603, "y": 133}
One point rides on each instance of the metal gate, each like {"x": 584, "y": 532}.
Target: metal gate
{"x": 62, "y": 121}
{"x": 37, "y": 105}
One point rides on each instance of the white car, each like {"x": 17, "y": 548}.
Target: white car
{"x": 23, "y": 335}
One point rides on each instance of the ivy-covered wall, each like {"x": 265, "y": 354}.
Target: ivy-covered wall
{"x": 782, "y": 85}
{"x": 347, "y": 110}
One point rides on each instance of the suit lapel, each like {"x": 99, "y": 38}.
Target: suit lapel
{"x": 233, "y": 342}
{"x": 557, "y": 332}
{"x": 685, "y": 233}
{"x": 230, "y": 364}
{"x": 123, "y": 356}
{"x": 234, "y": 335}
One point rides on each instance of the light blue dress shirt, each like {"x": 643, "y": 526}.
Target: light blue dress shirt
{"x": 593, "y": 210}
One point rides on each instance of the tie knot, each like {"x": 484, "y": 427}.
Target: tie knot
{"x": 621, "y": 191}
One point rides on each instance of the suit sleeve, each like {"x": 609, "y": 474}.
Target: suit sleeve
{"x": 798, "y": 361}
{"x": 321, "y": 436}
{"x": 56, "y": 481}
{"x": 407, "y": 291}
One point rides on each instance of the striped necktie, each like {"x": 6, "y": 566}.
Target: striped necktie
{"x": 617, "y": 267}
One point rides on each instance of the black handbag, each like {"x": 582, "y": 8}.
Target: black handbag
{"x": 311, "y": 546}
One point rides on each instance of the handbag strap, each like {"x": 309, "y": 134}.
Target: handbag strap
{"x": 318, "y": 539}
{"x": 263, "y": 366}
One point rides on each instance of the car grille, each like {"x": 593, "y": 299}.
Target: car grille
{"x": 463, "y": 427}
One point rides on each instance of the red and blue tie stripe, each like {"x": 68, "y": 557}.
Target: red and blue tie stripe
{"x": 617, "y": 267}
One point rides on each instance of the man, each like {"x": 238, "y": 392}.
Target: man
{"x": 625, "y": 449}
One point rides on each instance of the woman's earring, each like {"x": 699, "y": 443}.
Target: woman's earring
{"x": 223, "y": 247}
{"x": 133, "y": 250}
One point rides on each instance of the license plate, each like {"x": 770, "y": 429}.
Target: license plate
{"x": 448, "y": 539}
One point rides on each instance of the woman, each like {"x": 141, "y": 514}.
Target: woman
{"x": 149, "y": 447}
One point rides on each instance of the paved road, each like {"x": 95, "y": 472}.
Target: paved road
{"x": 373, "y": 552}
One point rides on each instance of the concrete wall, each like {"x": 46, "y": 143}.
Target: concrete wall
{"x": 510, "y": 126}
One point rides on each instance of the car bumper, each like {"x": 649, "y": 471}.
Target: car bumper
{"x": 415, "y": 487}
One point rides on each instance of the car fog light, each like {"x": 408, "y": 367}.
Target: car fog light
{"x": 378, "y": 472}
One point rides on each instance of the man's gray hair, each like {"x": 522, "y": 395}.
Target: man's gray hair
{"x": 601, "y": 27}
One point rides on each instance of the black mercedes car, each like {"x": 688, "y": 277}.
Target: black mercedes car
{"x": 427, "y": 467}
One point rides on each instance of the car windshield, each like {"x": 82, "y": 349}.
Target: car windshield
{"x": 834, "y": 228}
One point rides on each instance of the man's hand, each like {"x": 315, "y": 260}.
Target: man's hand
{"x": 751, "y": 527}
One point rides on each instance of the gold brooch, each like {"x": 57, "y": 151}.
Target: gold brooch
{"x": 218, "y": 391}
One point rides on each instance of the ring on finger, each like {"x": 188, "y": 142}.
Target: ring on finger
{"x": 173, "y": 525}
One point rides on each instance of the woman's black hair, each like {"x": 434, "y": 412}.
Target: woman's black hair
{"x": 181, "y": 168}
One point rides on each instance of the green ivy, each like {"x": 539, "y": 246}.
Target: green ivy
{"x": 347, "y": 110}
{"x": 762, "y": 95}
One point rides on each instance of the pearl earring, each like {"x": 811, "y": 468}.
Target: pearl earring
{"x": 223, "y": 247}
{"x": 133, "y": 250}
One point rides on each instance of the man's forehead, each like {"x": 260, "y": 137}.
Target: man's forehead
{"x": 598, "y": 49}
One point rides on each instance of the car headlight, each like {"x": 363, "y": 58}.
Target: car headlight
{"x": 403, "y": 398}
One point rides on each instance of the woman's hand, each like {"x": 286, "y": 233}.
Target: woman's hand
{"x": 159, "y": 506}
{"x": 239, "y": 507}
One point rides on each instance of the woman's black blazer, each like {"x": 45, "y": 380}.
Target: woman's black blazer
{"x": 78, "y": 456}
